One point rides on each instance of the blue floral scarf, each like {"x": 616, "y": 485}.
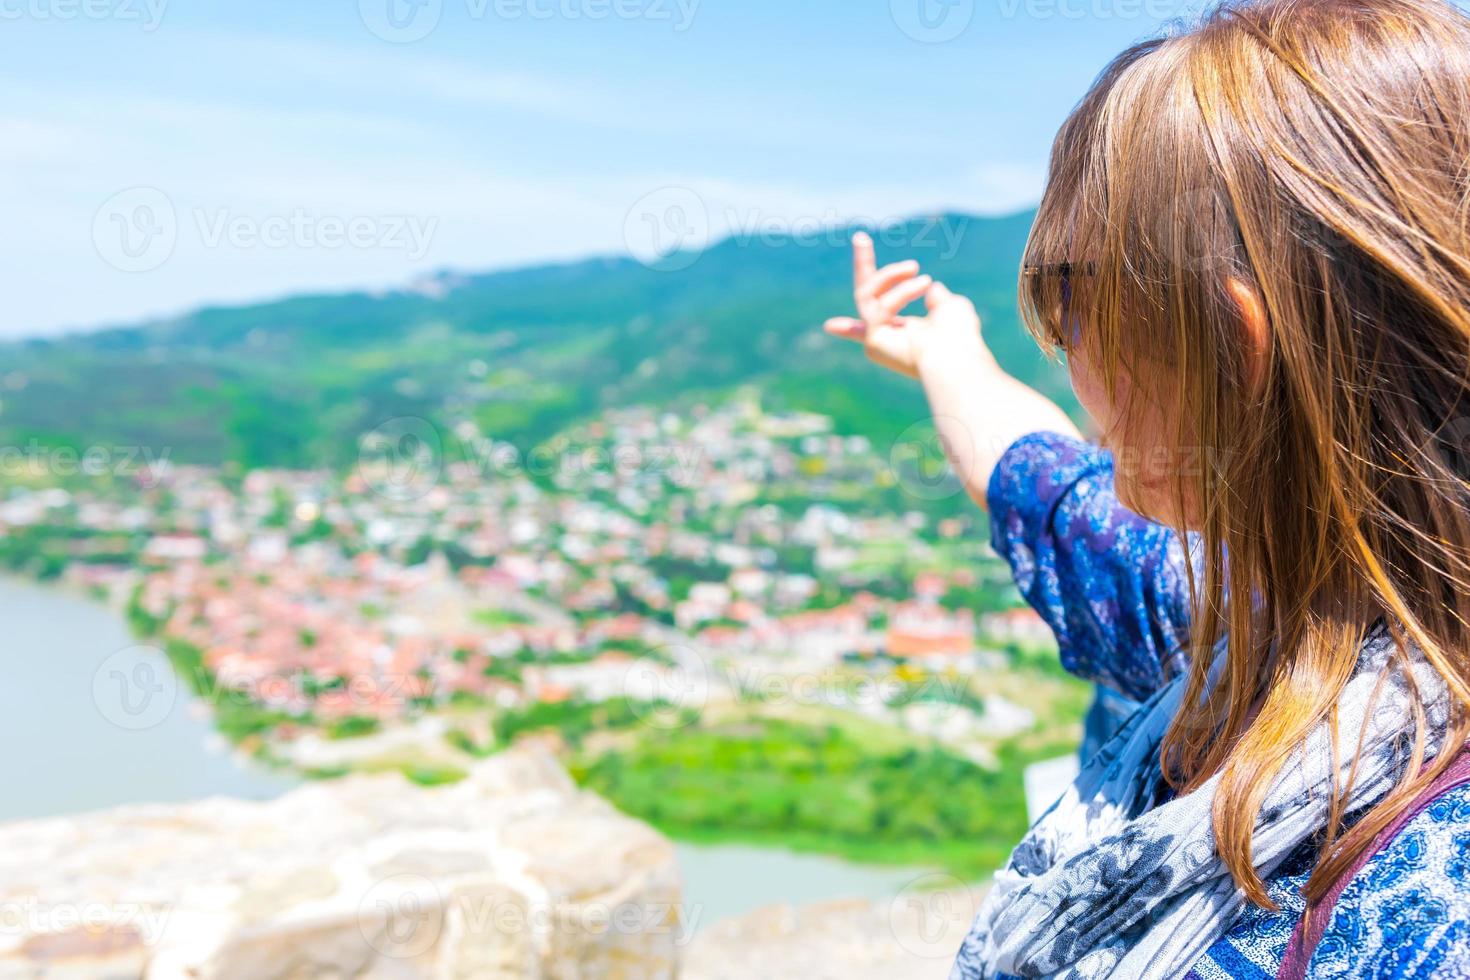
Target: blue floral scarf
{"x": 1121, "y": 879}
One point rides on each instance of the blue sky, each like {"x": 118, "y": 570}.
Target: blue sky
{"x": 243, "y": 151}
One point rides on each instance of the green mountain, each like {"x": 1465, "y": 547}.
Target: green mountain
{"x": 296, "y": 382}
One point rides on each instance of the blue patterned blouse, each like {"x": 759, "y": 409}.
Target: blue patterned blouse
{"x": 1111, "y": 585}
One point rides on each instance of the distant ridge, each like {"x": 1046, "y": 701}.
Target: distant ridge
{"x": 523, "y": 353}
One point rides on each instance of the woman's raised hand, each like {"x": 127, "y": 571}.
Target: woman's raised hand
{"x": 889, "y": 338}
{"x": 978, "y": 409}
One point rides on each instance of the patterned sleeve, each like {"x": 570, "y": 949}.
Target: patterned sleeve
{"x": 1406, "y": 914}
{"x": 1110, "y": 584}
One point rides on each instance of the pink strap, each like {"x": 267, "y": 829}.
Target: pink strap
{"x": 1310, "y": 928}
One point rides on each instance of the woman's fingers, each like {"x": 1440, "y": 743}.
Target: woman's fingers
{"x": 885, "y": 279}
{"x": 847, "y": 327}
{"x": 882, "y": 295}
{"x": 887, "y": 344}
{"x": 937, "y": 296}
{"x": 892, "y": 302}
{"x": 864, "y": 259}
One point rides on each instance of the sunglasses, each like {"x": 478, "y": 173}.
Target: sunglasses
{"x": 1064, "y": 270}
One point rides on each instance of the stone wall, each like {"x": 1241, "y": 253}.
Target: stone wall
{"x": 511, "y": 873}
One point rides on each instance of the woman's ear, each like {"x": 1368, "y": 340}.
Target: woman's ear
{"x": 1255, "y": 330}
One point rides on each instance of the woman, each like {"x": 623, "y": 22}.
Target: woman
{"x": 1254, "y": 252}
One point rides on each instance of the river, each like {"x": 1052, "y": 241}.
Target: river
{"x": 83, "y": 737}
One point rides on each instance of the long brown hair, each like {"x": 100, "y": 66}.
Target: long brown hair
{"x": 1318, "y": 152}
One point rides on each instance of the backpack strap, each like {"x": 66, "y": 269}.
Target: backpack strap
{"x": 1313, "y": 923}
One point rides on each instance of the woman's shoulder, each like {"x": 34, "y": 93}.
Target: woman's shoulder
{"x": 1406, "y": 913}
{"x": 1038, "y": 468}
{"x": 1109, "y": 583}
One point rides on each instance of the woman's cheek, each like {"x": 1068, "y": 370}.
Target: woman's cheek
{"x": 1092, "y": 396}
{"x": 1141, "y": 471}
